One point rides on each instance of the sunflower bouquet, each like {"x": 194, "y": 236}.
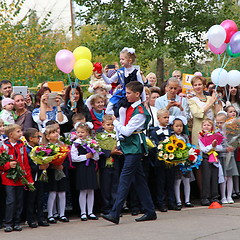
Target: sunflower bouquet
{"x": 172, "y": 151}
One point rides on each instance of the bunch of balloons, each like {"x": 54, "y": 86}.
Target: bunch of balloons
{"x": 224, "y": 37}
{"x": 79, "y": 61}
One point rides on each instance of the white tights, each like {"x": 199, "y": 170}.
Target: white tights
{"x": 86, "y": 198}
{"x": 227, "y": 184}
{"x": 52, "y": 201}
{"x": 186, "y": 185}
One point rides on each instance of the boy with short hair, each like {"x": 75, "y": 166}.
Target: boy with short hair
{"x": 14, "y": 190}
{"x": 133, "y": 147}
{"x": 35, "y": 199}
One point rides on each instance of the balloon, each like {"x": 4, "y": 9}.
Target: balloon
{"x": 233, "y": 78}
{"x": 65, "y": 60}
{"x": 216, "y": 35}
{"x": 219, "y": 50}
{"x": 82, "y": 53}
{"x": 83, "y": 69}
{"x": 230, "y": 53}
{"x": 230, "y": 28}
{"x": 235, "y": 42}
{"x": 219, "y": 77}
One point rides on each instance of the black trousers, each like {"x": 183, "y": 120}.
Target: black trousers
{"x": 14, "y": 205}
{"x": 2, "y": 202}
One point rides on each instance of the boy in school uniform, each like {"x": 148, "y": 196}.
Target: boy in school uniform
{"x": 108, "y": 169}
{"x": 164, "y": 175}
{"x": 133, "y": 146}
{"x": 35, "y": 198}
{"x": 14, "y": 190}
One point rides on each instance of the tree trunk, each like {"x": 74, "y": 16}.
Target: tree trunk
{"x": 160, "y": 71}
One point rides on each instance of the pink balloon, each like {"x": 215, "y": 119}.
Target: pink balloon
{"x": 65, "y": 60}
{"x": 219, "y": 50}
{"x": 230, "y": 28}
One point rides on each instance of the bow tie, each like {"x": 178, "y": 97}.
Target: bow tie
{"x": 163, "y": 128}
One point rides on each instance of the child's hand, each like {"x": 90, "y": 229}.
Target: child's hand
{"x": 214, "y": 143}
{"x": 44, "y": 166}
{"x": 13, "y": 164}
{"x": 116, "y": 151}
{"x": 230, "y": 149}
{"x": 89, "y": 155}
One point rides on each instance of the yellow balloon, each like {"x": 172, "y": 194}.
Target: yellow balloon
{"x": 82, "y": 53}
{"x": 83, "y": 69}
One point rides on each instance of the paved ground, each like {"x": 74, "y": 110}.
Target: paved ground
{"x": 195, "y": 223}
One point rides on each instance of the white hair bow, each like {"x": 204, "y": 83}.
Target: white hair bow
{"x": 89, "y": 124}
{"x": 182, "y": 118}
{"x": 130, "y": 50}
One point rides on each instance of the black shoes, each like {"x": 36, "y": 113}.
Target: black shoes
{"x": 205, "y": 202}
{"x": 188, "y": 204}
{"x": 110, "y": 218}
{"x": 83, "y": 217}
{"x": 174, "y": 207}
{"x": 91, "y": 216}
{"x": 32, "y": 225}
{"x": 17, "y": 228}
{"x": 52, "y": 220}
{"x": 8, "y": 229}
{"x": 135, "y": 212}
{"x": 163, "y": 208}
{"x": 43, "y": 223}
{"x": 63, "y": 219}
{"x": 146, "y": 217}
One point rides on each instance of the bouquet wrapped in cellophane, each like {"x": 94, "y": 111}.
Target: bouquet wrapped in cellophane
{"x": 16, "y": 173}
{"x": 231, "y": 131}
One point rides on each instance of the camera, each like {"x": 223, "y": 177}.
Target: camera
{"x": 111, "y": 66}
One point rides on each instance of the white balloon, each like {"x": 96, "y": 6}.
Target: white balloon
{"x": 216, "y": 35}
{"x": 233, "y": 78}
{"x": 219, "y": 77}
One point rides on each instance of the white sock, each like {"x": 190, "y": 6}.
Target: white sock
{"x": 62, "y": 203}
{"x": 90, "y": 200}
{"x": 177, "y": 190}
{"x": 83, "y": 201}
{"x": 229, "y": 187}
{"x": 186, "y": 184}
{"x": 50, "y": 203}
{"x": 223, "y": 188}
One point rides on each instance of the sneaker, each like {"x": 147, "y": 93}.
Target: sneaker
{"x": 8, "y": 229}
{"x": 230, "y": 200}
{"x": 224, "y": 200}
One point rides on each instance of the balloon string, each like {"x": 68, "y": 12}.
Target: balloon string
{"x": 227, "y": 62}
{"x": 219, "y": 57}
{"x": 224, "y": 56}
{"x": 227, "y": 93}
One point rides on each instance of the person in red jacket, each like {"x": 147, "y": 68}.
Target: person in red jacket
{"x": 14, "y": 190}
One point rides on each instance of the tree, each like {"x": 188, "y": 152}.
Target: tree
{"x": 156, "y": 28}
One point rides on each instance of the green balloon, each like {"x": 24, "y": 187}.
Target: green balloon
{"x": 230, "y": 53}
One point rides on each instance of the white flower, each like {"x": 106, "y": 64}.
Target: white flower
{"x": 165, "y": 156}
{"x": 191, "y": 151}
{"x": 160, "y": 146}
{"x": 160, "y": 154}
{"x": 171, "y": 156}
{"x": 166, "y": 140}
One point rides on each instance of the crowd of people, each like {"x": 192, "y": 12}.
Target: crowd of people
{"x": 129, "y": 106}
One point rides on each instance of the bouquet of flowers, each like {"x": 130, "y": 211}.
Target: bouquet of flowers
{"x": 14, "y": 173}
{"x": 232, "y": 132}
{"x": 150, "y": 143}
{"x": 207, "y": 139}
{"x": 194, "y": 159}
{"x": 60, "y": 156}
{"x": 106, "y": 141}
{"x": 172, "y": 151}
{"x": 44, "y": 154}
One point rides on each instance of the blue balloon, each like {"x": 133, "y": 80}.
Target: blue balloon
{"x": 235, "y": 42}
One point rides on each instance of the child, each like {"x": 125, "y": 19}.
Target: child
{"x": 229, "y": 166}
{"x": 97, "y": 112}
{"x": 35, "y": 198}
{"x": 123, "y": 75}
{"x": 209, "y": 170}
{"x": 86, "y": 177}
{"x": 164, "y": 176}
{"x": 55, "y": 187}
{"x": 7, "y": 113}
{"x": 133, "y": 147}
{"x": 14, "y": 190}
{"x": 178, "y": 128}
{"x": 108, "y": 173}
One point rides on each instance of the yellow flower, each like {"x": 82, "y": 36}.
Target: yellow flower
{"x": 173, "y": 139}
{"x": 170, "y": 147}
{"x": 171, "y": 156}
{"x": 180, "y": 144}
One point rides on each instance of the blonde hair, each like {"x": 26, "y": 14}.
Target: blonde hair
{"x": 202, "y": 79}
{"x": 162, "y": 111}
{"x": 147, "y": 91}
{"x": 176, "y": 72}
{"x": 85, "y": 127}
{"x": 151, "y": 73}
{"x": 130, "y": 55}
{"x": 10, "y": 128}
{"x": 107, "y": 117}
{"x": 48, "y": 130}
{"x": 95, "y": 97}
{"x": 208, "y": 120}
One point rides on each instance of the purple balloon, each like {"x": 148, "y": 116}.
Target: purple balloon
{"x": 219, "y": 50}
{"x": 65, "y": 60}
{"x": 235, "y": 42}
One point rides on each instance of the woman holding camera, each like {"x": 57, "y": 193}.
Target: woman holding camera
{"x": 49, "y": 109}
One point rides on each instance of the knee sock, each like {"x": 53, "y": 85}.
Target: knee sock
{"x": 186, "y": 184}
{"x": 55, "y": 211}
{"x": 236, "y": 183}
{"x": 229, "y": 187}
{"x": 223, "y": 188}
{"x": 177, "y": 190}
{"x": 61, "y": 203}
{"x": 83, "y": 201}
{"x": 50, "y": 203}
{"x": 90, "y": 200}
